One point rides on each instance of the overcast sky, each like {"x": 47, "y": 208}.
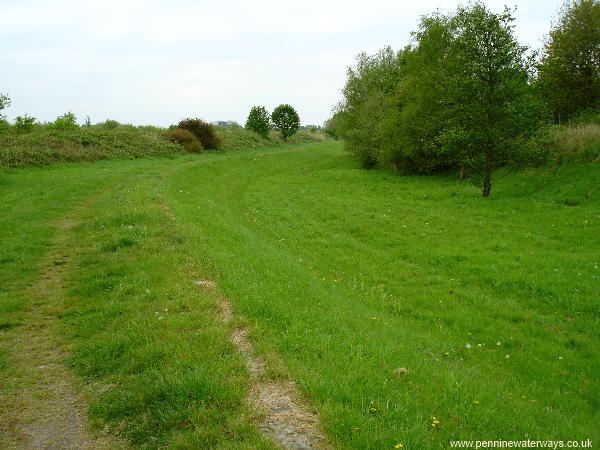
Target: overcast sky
{"x": 155, "y": 62}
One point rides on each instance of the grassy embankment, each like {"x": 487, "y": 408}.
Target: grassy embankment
{"x": 46, "y": 144}
{"x": 342, "y": 275}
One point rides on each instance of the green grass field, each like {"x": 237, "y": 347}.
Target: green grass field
{"x": 342, "y": 276}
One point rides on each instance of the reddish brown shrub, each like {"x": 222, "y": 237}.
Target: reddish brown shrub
{"x": 203, "y": 131}
{"x": 186, "y": 138}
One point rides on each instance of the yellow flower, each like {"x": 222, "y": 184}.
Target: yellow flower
{"x": 476, "y": 402}
{"x": 435, "y": 423}
{"x": 399, "y": 445}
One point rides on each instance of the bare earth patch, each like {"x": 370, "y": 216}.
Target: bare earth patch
{"x": 41, "y": 403}
{"x": 285, "y": 418}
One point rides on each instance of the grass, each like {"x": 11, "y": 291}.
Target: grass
{"x": 343, "y": 275}
{"x": 148, "y": 343}
{"x": 573, "y": 143}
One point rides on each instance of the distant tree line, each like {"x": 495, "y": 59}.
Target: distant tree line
{"x": 465, "y": 95}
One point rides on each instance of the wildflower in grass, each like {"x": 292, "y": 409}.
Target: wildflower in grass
{"x": 446, "y": 354}
{"x": 507, "y": 356}
{"x": 399, "y": 445}
{"x": 476, "y": 402}
{"x": 374, "y": 408}
{"x": 478, "y": 345}
{"x": 468, "y": 346}
{"x": 435, "y": 423}
{"x": 498, "y": 344}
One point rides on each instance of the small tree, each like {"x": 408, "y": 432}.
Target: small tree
{"x": 259, "y": 120}
{"x": 569, "y": 72}
{"x": 4, "y": 103}
{"x": 491, "y": 103}
{"x": 286, "y": 120}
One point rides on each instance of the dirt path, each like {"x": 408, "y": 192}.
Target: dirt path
{"x": 42, "y": 407}
{"x": 285, "y": 418}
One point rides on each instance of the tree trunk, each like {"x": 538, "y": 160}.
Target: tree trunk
{"x": 487, "y": 174}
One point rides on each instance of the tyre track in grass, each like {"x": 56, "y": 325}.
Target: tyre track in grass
{"x": 283, "y": 413}
{"x": 42, "y": 403}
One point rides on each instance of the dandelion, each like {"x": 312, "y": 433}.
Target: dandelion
{"x": 399, "y": 445}
{"x": 435, "y": 423}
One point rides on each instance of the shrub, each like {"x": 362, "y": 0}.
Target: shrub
{"x": 24, "y": 124}
{"x": 259, "y": 121}
{"x": 4, "y": 126}
{"x": 203, "y": 131}
{"x": 186, "y": 139}
{"x": 67, "y": 121}
{"x": 286, "y": 120}
{"x": 110, "y": 124}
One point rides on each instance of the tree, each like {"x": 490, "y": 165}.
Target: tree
{"x": 4, "y": 103}
{"x": 423, "y": 102}
{"x": 368, "y": 97}
{"x": 490, "y": 99}
{"x": 569, "y": 71}
{"x": 286, "y": 120}
{"x": 259, "y": 120}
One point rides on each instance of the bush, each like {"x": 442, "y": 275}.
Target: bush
{"x": 203, "y": 131}
{"x": 286, "y": 120}
{"x": 67, "y": 121}
{"x": 259, "y": 121}
{"x": 110, "y": 124}
{"x": 4, "y": 126}
{"x": 25, "y": 124}
{"x": 186, "y": 139}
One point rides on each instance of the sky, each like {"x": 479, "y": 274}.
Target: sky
{"x": 156, "y": 62}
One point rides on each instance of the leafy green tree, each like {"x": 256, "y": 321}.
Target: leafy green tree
{"x": 569, "y": 71}
{"x": 259, "y": 121}
{"x": 4, "y": 103}
{"x": 286, "y": 120}
{"x": 423, "y": 102}
{"x": 368, "y": 98}
{"x": 490, "y": 100}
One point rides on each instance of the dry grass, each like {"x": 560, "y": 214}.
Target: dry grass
{"x": 576, "y": 139}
